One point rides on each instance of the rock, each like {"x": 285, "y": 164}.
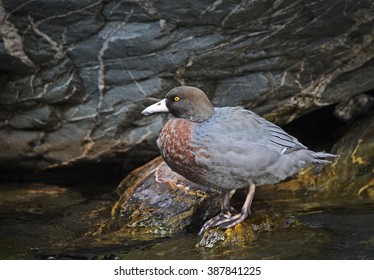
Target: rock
{"x": 243, "y": 234}
{"x": 155, "y": 200}
{"x": 75, "y": 75}
{"x": 240, "y": 235}
{"x": 357, "y": 106}
{"x": 351, "y": 174}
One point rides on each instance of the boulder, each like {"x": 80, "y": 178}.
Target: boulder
{"x": 155, "y": 200}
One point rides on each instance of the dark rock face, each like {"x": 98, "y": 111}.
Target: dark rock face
{"x": 75, "y": 75}
{"x": 358, "y": 105}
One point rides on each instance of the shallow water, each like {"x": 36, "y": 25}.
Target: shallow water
{"x": 49, "y": 222}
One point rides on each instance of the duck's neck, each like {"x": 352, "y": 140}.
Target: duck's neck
{"x": 201, "y": 113}
{"x": 204, "y": 111}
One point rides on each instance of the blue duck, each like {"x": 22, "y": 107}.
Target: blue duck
{"x": 226, "y": 148}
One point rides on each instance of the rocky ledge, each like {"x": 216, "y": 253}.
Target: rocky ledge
{"x": 75, "y": 75}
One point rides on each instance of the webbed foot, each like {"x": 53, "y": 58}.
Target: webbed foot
{"x": 225, "y": 220}
{"x": 228, "y": 217}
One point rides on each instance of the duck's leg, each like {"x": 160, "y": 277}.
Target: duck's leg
{"x": 226, "y": 219}
{"x": 246, "y": 210}
{"x": 226, "y": 212}
{"x": 225, "y": 205}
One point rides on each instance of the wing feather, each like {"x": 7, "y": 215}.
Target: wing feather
{"x": 241, "y": 130}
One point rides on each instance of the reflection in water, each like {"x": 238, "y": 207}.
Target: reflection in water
{"x": 49, "y": 222}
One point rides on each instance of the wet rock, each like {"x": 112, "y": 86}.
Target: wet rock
{"x": 75, "y": 75}
{"x": 352, "y": 174}
{"x": 349, "y": 176}
{"x": 240, "y": 235}
{"x": 243, "y": 234}
{"x": 155, "y": 200}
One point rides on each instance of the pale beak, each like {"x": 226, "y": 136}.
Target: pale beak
{"x": 156, "y": 108}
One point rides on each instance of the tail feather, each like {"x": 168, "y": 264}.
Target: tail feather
{"x": 322, "y": 157}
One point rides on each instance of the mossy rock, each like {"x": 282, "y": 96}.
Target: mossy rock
{"x": 155, "y": 200}
{"x": 244, "y": 233}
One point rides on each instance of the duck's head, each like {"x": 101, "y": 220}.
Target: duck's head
{"x": 184, "y": 102}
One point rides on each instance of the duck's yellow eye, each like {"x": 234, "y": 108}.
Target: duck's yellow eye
{"x": 176, "y": 98}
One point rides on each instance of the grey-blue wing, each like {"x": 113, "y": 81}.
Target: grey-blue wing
{"x": 276, "y": 138}
{"x": 233, "y": 125}
{"x": 239, "y": 143}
